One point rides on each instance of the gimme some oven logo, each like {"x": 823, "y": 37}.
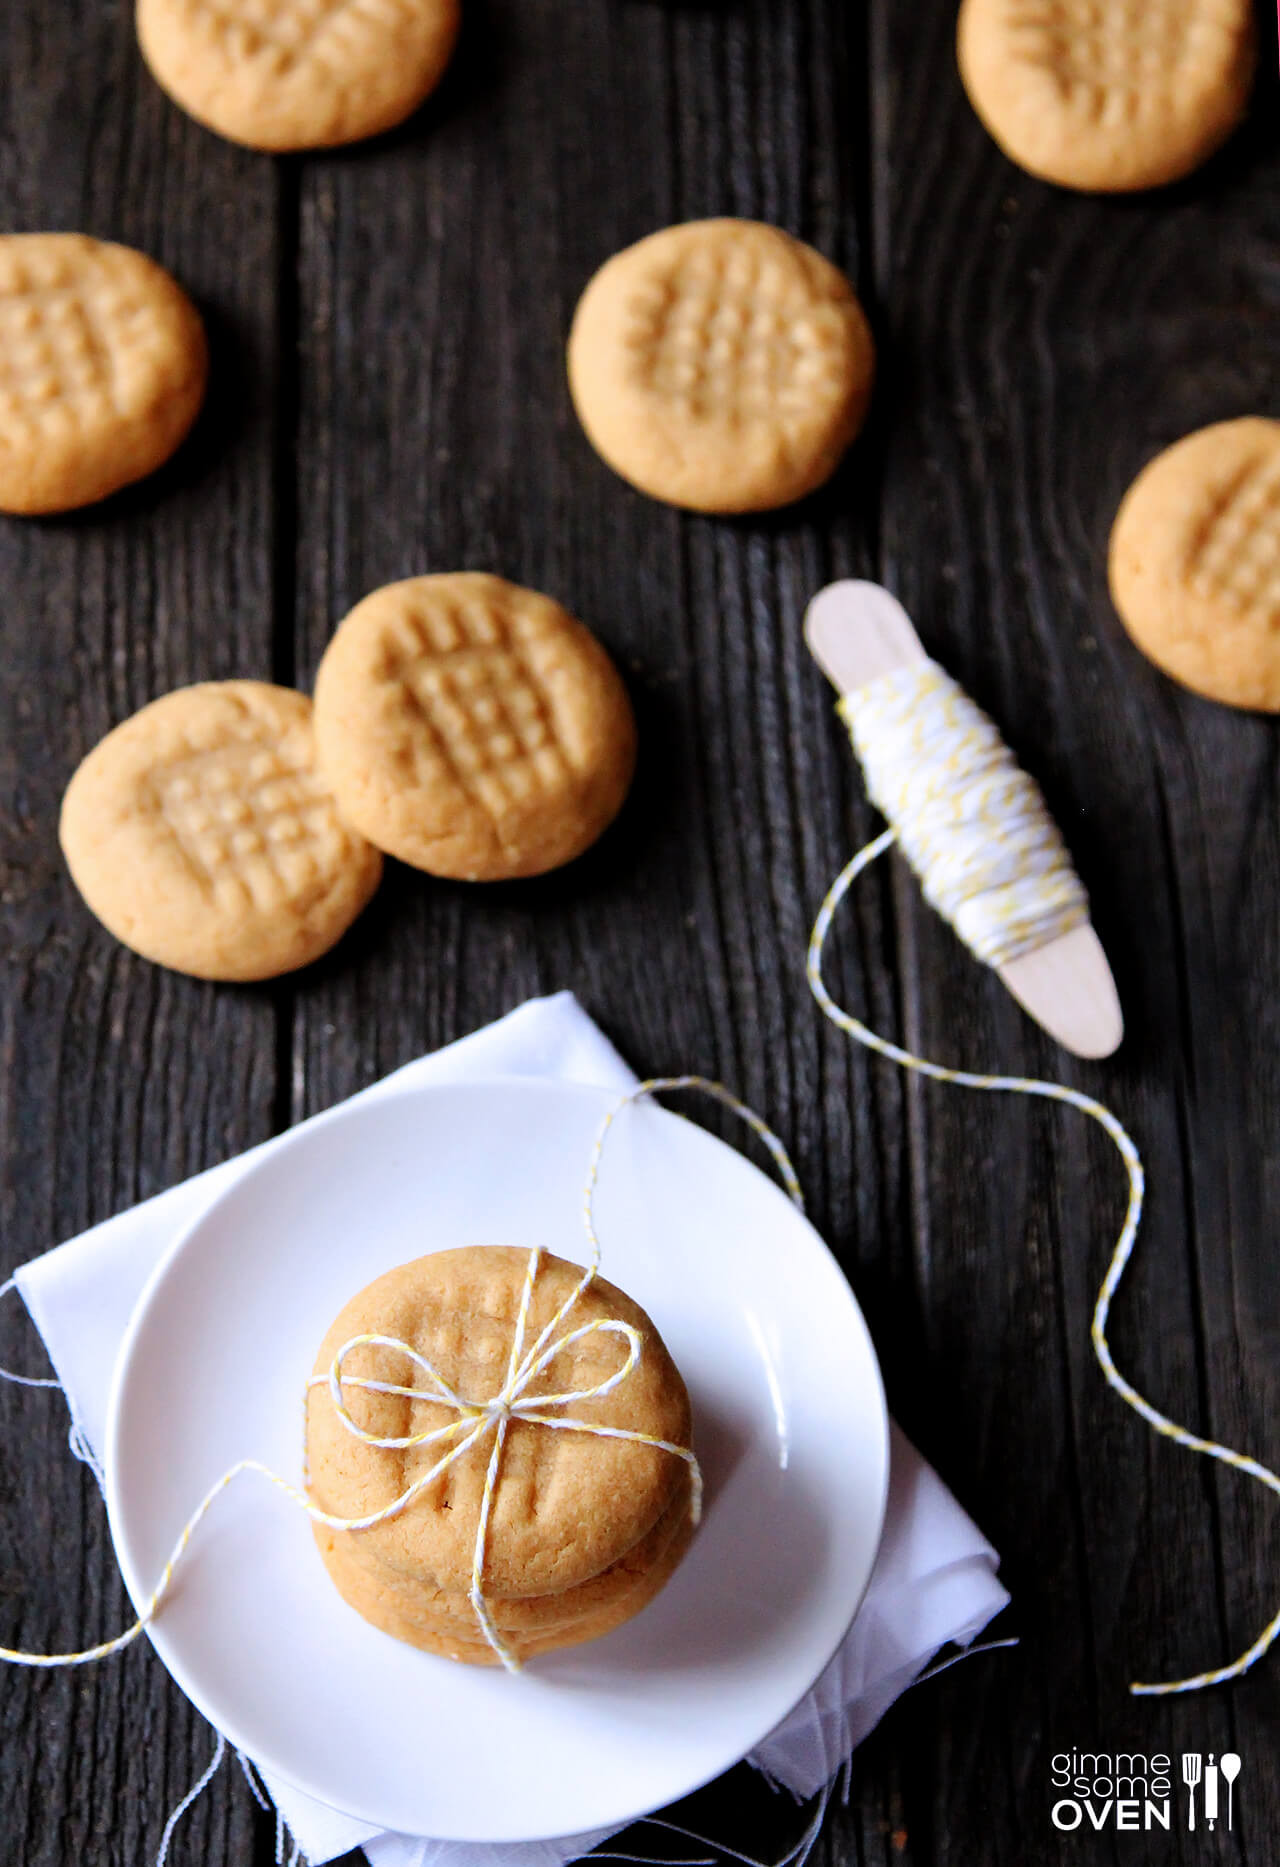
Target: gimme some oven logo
{"x": 1126, "y": 1790}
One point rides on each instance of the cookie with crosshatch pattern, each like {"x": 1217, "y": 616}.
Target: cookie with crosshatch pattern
{"x": 1108, "y": 95}
{"x": 297, "y": 74}
{"x": 528, "y": 1625}
{"x": 721, "y": 365}
{"x": 102, "y": 369}
{"x": 201, "y": 836}
{"x": 472, "y": 728}
{"x": 1195, "y": 562}
{"x": 583, "y": 1529}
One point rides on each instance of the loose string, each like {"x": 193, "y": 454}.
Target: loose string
{"x": 796, "y": 1855}
{"x": 24, "y": 1380}
{"x": 192, "y": 1796}
{"x": 475, "y": 1418}
{"x": 1096, "y": 1111}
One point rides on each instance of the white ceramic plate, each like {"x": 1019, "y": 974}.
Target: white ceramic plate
{"x": 789, "y": 1419}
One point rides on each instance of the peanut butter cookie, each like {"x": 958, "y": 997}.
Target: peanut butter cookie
{"x": 570, "y": 1505}
{"x": 102, "y": 369}
{"x": 721, "y": 365}
{"x": 297, "y": 74}
{"x": 1108, "y": 95}
{"x": 472, "y": 728}
{"x": 201, "y": 836}
{"x": 1195, "y": 562}
{"x": 527, "y": 1626}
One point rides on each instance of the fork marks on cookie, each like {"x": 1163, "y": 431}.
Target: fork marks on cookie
{"x": 1108, "y": 96}
{"x": 251, "y": 819}
{"x": 474, "y": 705}
{"x": 284, "y": 35}
{"x": 472, "y": 728}
{"x": 1115, "y": 60}
{"x": 101, "y": 369}
{"x": 1234, "y": 557}
{"x": 298, "y": 74}
{"x": 727, "y": 336}
{"x": 202, "y": 835}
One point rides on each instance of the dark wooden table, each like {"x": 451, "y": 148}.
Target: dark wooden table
{"x": 389, "y": 397}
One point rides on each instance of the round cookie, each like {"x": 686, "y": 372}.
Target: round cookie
{"x": 1195, "y": 562}
{"x": 473, "y": 728}
{"x": 569, "y": 1505}
{"x": 297, "y": 74}
{"x": 103, "y": 363}
{"x": 1105, "y": 95}
{"x": 454, "y": 1639}
{"x": 352, "y": 1564}
{"x": 201, "y": 836}
{"x": 721, "y": 365}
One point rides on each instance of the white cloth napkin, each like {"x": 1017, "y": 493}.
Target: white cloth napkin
{"x": 935, "y": 1576}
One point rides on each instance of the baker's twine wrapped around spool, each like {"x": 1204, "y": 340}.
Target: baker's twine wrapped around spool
{"x": 969, "y": 820}
{"x": 990, "y": 859}
{"x": 476, "y": 1418}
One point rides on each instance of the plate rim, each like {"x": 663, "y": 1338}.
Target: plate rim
{"x": 297, "y": 1136}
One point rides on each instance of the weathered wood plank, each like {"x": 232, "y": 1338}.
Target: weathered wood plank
{"x": 438, "y": 275}
{"x": 1037, "y": 349}
{"x": 1044, "y": 346}
{"x": 115, "y": 1079}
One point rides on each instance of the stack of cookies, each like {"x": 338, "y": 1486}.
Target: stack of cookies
{"x": 584, "y": 1530}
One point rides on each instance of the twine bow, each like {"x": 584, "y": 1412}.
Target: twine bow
{"x": 513, "y": 1401}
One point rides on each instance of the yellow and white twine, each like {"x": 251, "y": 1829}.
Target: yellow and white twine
{"x": 971, "y": 823}
{"x": 975, "y": 829}
{"x": 937, "y": 769}
{"x": 475, "y": 1418}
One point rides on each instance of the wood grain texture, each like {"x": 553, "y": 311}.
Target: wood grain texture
{"x": 389, "y": 398}
{"x": 115, "y": 1079}
{"x": 1042, "y": 347}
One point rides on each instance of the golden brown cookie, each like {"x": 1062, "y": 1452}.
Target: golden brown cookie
{"x": 351, "y": 1560}
{"x": 1108, "y": 95}
{"x": 721, "y": 365}
{"x": 473, "y": 728}
{"x": 297, "y": 74}
{"x": 1195, "y": 562}
{"x": 201, "y": 836}
{"x": 525, "y": 1636}
{"x": 569, "y": 1504}
{"x": 102, "y": 369}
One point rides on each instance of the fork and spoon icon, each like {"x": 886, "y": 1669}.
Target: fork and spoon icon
{"x": 1195, "y": 1772}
